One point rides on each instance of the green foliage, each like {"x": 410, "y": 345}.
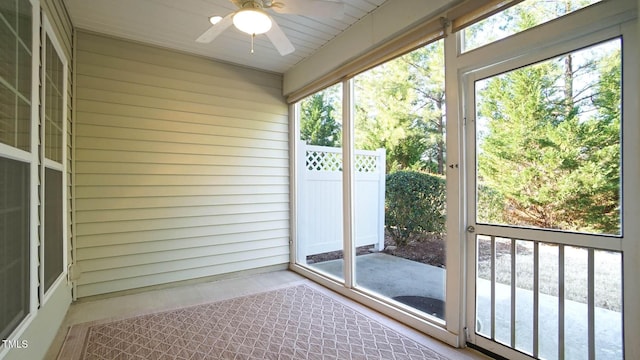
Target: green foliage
{"x": 400, "y": 107}
{"x": 415, "y": 203}
{"x": 549, "y": 152}
{"x": 318, "y": 125}
{"x": 491, "y": 206}
{"x": 407, "y": 153}
{"x": 517, "y": 18}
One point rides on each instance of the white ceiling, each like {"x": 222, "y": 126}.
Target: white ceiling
{"x": 176, "y": 24}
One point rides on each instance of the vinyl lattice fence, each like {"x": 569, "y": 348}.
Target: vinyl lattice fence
{"x": 320, "y": 201}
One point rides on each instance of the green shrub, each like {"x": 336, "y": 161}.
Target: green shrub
{"x": 491, "y": 206}
{"x": 414, "y": 204}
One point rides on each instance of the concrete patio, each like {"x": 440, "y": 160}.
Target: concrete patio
{"x": 394, "y": 277}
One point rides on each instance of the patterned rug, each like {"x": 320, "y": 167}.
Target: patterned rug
{"x": 297, "y": 322}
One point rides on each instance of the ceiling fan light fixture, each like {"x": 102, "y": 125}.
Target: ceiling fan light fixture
{"x": 252, "y": 21}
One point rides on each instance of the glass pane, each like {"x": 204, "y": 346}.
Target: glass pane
{"x": 24, "y": 21}
{"x": 7, "y": 116}
{"x": 8, "y": 11}
{"x": 24, "y": 72}
{"x": 518, "y": 18}
{"x": 49, "y": 100}
{"x": 15, "y": 84}
{"x": 54, "y": 103}
{"x": 400, "y": 191}
{"x": 23, "y": 120}
{"x": 14, "y": 244}
{"x": 53, "y": 240}
{"x": 608, "y": 300}
{"x": 548, "y": 143}
{"x": 8, "y": 48}
{"x": 320, "y": 230}
{"x": 49, "y": 58}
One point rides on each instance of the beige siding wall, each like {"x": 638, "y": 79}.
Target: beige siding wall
{"x": 181, "y": 167}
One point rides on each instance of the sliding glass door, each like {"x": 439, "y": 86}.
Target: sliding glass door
{"x": 399, "y": 174}
{"x": 371, "y": 184}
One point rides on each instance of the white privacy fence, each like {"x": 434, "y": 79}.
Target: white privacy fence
{"x": 320, "y": 199}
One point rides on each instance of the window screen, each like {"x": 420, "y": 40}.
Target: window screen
{"x": 54, "y": 113}
{"x": 53, "y": 249}
{"x": 14, "y": 244}
{"x": 15, "y": 73}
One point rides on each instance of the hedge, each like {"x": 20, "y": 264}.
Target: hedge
{"x": 414, "y": 204}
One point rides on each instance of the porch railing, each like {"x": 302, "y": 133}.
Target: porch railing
{"x": 547, "y": 300}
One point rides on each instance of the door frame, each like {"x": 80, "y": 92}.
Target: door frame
{"x": 590, "y": 26}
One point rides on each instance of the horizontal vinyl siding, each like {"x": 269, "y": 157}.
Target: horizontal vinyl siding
{"x": 181, "y": 167}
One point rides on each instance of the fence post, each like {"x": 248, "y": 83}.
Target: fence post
{"x": 302, "y": 242}
{"x": 382, "y": 175}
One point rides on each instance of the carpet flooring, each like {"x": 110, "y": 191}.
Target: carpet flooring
{"x": 297, "y": 322}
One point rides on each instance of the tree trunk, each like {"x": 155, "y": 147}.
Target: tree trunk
{"x": 441, "y": 135}
{"x": 568, "y": 74}
{"x": 568, "y": 84}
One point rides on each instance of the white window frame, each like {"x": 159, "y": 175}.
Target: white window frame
{"x": 32, "y": 158}
{"x": 49, "y": 33}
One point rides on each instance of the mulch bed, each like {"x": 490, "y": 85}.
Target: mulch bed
{"x": 424, "y": 248}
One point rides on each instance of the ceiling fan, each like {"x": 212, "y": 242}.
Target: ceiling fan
{"x": 252, "y": 19}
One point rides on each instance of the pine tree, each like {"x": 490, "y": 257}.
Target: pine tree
{"x": 318, "y": 125}
{"x": 550, "y": 154}
{"x": 400, "y": 107}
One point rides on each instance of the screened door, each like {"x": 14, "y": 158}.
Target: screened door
{"x": 544, "y": 138}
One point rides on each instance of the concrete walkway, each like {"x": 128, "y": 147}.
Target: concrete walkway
{"x": 392, "y": 276}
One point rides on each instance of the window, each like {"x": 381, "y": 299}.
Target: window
{"x": 53, "y": 231}
{"x": 53, "y": 123}
{"x": 320, "y": 233}
{"x": 14, "y": 244}
{"x": 15, "y": 159}
{"x": 15, "y": 74}
{"x": 523, "y": 16}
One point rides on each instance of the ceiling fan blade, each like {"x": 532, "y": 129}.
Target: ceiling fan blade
{"x": 215, "y": 30}
{"x": 313, "y": 8}
{"x": 279, "y": 39}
